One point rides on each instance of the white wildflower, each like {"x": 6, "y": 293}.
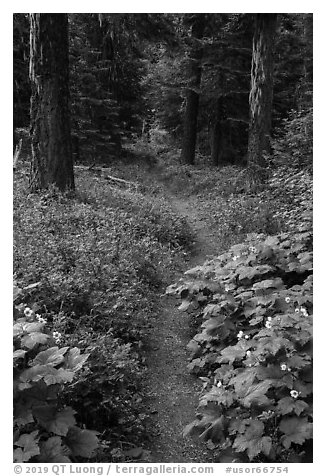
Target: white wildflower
{"x": 294, "y": 394}
{"x": 56, "y": 337}
{"x": 304, "y": 311}
{"x": 28, "y": 312}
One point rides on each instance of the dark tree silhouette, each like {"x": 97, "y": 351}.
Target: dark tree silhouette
{"x": 261, "y": 93}
{"x": 192, "y": 95}
{"x": 50, "y": 114}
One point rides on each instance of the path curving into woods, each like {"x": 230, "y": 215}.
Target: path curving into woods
{"x": 171, "y": 392}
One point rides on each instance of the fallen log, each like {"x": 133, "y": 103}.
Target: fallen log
{"x": 110, "y": 178}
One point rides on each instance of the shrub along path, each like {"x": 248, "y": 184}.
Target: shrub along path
{"x": 172, "y": 393}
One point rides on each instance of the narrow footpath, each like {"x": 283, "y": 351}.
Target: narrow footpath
{"x": 171, "y": 392}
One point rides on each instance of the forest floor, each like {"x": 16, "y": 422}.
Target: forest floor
{"x": 172, "y": 393}
{"x": 146, "y": 220}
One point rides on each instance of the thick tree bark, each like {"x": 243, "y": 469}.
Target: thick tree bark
{"x": 52, "y": 162}
{"x": 192, "y": 95}
{"x": 261, "y": 94}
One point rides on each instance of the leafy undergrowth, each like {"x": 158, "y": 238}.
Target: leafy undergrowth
{"x": 90, "y": 266}
{"x": 232, "y": 209}
{"x": 45, "y": 430}
{"x": 254, "y": 352}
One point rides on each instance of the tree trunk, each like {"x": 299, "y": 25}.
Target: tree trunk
{"x": 52, "y": 162}
{"x": 215, "y": 143}
{"x": 261, "y": 94}
{"x": 215, "y": 134}
{"x": 192, "y": 95}
{"x": 306, "y": 86}
{"x": 308, "y": 56}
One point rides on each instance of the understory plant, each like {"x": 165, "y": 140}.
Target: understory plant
{"x": 254, "y": 350}
{"x": 45, "y": 429}
{"x": 99, "y": 259}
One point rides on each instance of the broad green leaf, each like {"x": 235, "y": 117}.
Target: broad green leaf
{"x": 238, "y": 426}
{"x": 296, "y": 430}
{"x": 213, "y": 325}
{"x": 50, "y": 375}
{"x": 188, "y": 305}
{"x": 288, "y": 405}
{"x": 19, "y": 354}
{"x": 299, "y": 361}
{"x": 193, "y": 346}
{"x": 18, "y": 456}
{"x": 215, "y": 431}
{"x": 243, "y": 380}
{"x": 192, "y": 429}
{"x": 41, "y": 393}
{"x": 33, "y": 374}
{"x": 272, "y": 344}
{"x": 31, "y": 340}
{"x": 28, "y": 442}
{"x": 57, "y": 422}
{"x": 249, "y": 272}
{"x": 18, "y": 329}
{"x": 235, "y": 352}
{"x": 74, "y": 361}
{"x": 218, "y": 395}
{"x": 81, "y": 442}
{"x": 52, "y": 451}
{"x": 58, "y": 376}
{"x": 52, "y": 356}
{"x": 256, "y": 394}
{"x": 31, "y": 327}
{"x": 22, "y": 415}
{"x": 252, "y": 440}
{"x": 276, "y": 283}
{"x": 304, "y": 388}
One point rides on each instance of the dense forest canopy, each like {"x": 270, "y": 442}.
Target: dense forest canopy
{"x": 132, "y": 75}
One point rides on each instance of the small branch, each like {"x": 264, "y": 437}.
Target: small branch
{"x": 119, "y": 180}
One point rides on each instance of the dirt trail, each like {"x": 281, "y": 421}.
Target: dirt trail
{"x": 172, "y": 395}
